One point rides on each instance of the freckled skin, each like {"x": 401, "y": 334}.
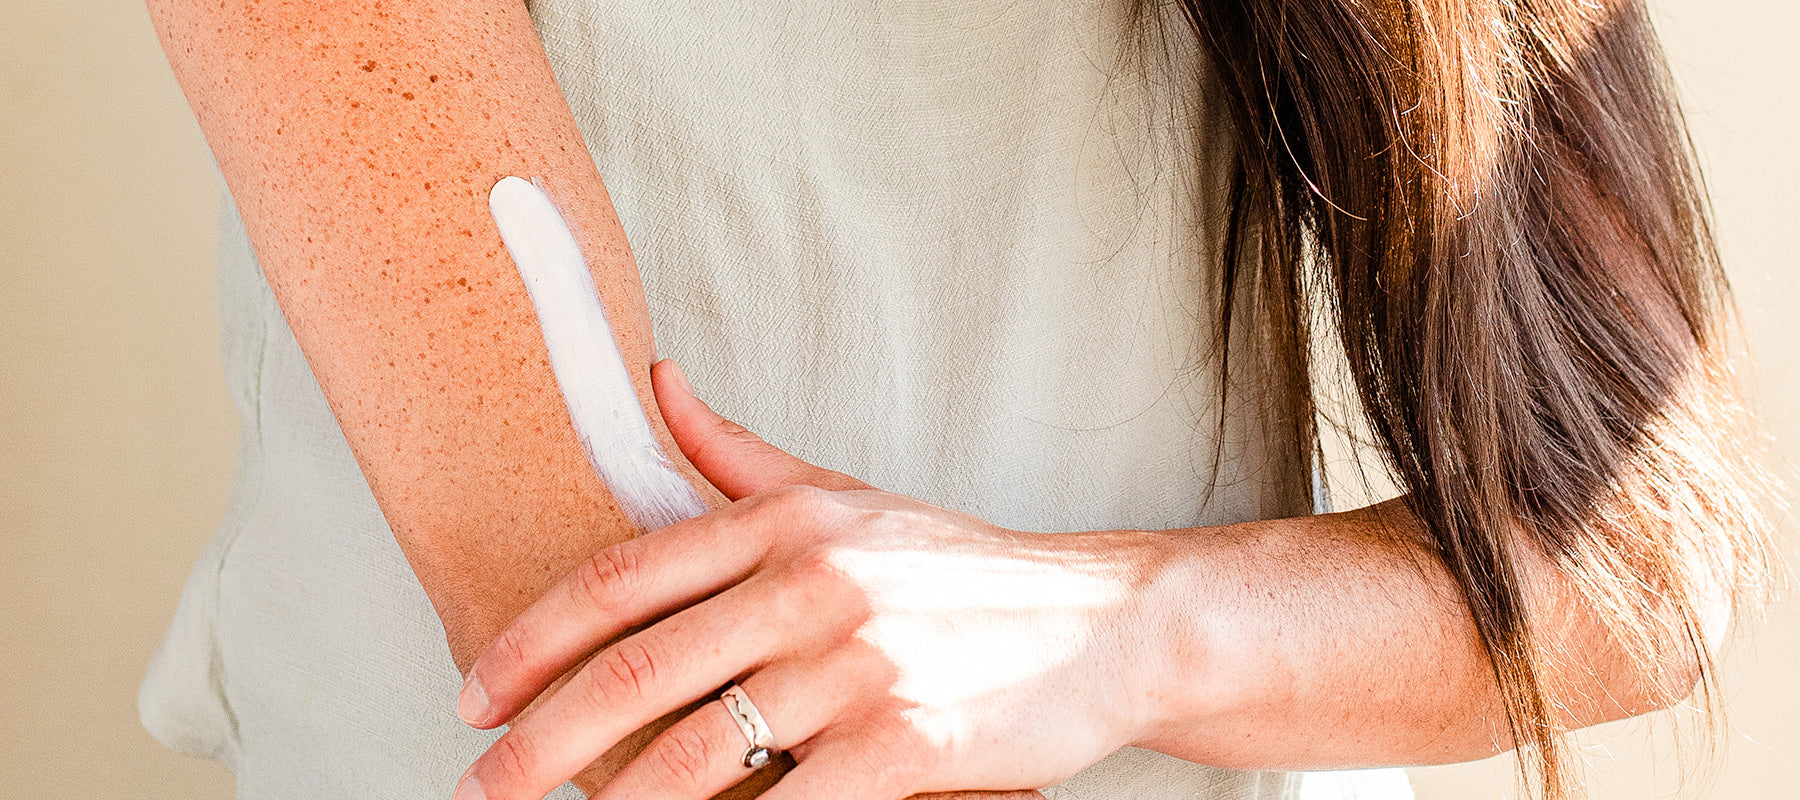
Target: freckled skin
{"x": 368, "y": 210}
{"x": 360, "y": 141}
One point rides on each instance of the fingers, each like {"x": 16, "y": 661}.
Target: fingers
{"x": 630, "y": 684}
{"x": 628, "y": 584}
{"x": 702, "y": 755}
{"x": 736, "y": 461}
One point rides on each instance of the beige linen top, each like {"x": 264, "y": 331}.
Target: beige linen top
{"x": 961, "y": 249}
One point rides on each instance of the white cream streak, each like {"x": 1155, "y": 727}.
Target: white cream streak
{"x": 595, "y": 385}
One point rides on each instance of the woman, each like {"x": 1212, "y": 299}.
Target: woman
{"x": 1054, "y": 268}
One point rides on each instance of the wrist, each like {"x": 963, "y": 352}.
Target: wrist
{"x": 1197, "y": 669}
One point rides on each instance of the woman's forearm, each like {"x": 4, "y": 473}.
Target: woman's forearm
{"x": 1336, "y": 641}
{"x": 360, "y": 141}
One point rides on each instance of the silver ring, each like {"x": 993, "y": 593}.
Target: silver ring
{"x": 751, "y": 722}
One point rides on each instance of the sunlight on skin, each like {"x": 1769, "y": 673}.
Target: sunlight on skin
{"x": 1004, "y": 583}
{"x": 1017, "y": 607}
{"x": 1023, "y": 616}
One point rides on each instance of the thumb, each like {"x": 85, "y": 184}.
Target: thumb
{"x": 736, "y": 461}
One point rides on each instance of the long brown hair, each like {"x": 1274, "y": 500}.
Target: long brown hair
{"x": 1494, "y": 207}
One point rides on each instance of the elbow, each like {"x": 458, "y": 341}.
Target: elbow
{"x": 1675, "y": 673}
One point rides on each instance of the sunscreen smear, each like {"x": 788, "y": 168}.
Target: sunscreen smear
{"x": 595, "y": 384}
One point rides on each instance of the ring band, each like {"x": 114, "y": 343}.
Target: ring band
{"x": 751, "y": 722}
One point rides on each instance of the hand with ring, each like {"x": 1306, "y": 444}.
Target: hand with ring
{"x": 891, "y": 647}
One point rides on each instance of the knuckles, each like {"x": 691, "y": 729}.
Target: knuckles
{"x": 513, "y": 760}
{"x": 791, "y": 515}
{"x": 509, "y": 655}
{"x": 623, "y": 673}
{"x": 892, "y": 755}
{"x": 684, "y": 757}
{"x": 800, "y": 514}
{"x": 817, "y": 592}
{"x": 797, "y": 501}
{"x": 608, "y": 579}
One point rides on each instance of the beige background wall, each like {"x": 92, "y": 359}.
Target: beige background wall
{"x": 116, "y": 437}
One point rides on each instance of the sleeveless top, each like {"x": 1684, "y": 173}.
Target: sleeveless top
{"x": 962, "y": 249}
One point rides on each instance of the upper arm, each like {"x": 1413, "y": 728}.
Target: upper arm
{"x": 359, "y": 140}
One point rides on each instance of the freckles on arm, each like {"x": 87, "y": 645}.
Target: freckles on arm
{"x": 359, "y": 142}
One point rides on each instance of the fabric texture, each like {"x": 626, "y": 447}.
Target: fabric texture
{"x": 959, "y": 249}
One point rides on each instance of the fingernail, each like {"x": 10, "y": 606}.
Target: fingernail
{"x": 680, "y": 377}
{"x": 472, "y": 705}
{"x": 468, "y": 789}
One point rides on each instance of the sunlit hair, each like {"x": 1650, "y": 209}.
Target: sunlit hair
{"x": 1496, "y": 206}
